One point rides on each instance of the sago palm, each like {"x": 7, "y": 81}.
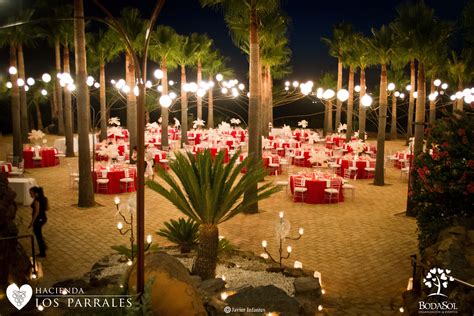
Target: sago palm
{"x": 210, "y": 192}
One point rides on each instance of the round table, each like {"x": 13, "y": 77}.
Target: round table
{"x": 47, "y": 155}
{"x": 361, "y": 164}
{"x": 214, "y": 151}
{"x": 114, "y": 175}
{"x": 316, "y": 187}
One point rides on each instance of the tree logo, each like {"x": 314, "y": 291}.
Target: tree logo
{"x": 438, "y": 279}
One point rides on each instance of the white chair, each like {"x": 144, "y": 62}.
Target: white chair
{"x": 331, "y": 193}
{"x": 370, "y": 169}
{"x": 405, "y": 170}
{"x": 37, "y": 159}
{"x": 346, "y": 186}
{"x": 59, "y": 155}
{"x": 299, "y": 159}
{"x": 274, "y": 165}
{"x": 127, "y": 182}
{"x": 334, "y": 166}
{"x": 353, "y": 168}
{"x": 284, "y": 165}
{"x": 102, "y": 182}
{"x": 282, "y": 183}
{"x": 17, "y": 171}
{"x": 300, "y": 190}
{"x": 163, "y": 161}
{"x": 73, "y": 176}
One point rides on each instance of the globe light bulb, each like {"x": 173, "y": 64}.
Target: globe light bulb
{"x": 408, "y": 87}
{"x": 264, "y": 244}
{"x": 469, "y": 99}
{"x": 289, "y": 249}
{"x": 112, "y": 81}
{"x": 241, "y": 86}
{"x": 201, "y": 92}
{"x": 186, "y": 87}
{"x": 287, "y": 83}
{"x": 329, "y": 94}
{"x": 119, "y": 225}
{"x": 44, "y": 92}
{"x": 437, "y": 82}
{"x": 9, "y": 85}
{"x": 459, "y": 95}
{"x": 224, "y": 90}
{"x": 148, "y": 84}
{"x": 12, "y": 70}
{"x": 281, "y": 214}
{"x": 319, "y": 93}
{"x": 444, "y": 86}
{"x": 149, "y": 239}
{"x": 165, "y": 101}
{"x": 136, "y": 91}
{"x": 59, "y": 75}
{"x": 219, "y": 77}
{"x": 301, "y": 231}
{"x": 295, "y": 84}
{"x": 342, "y": 95}
{"x": 71, "y": 87}
{"x": 466, "y": 92}
{"x": 357, "y": 88}
{"x": 397, "y": 94}
{"x": 452, "y": 98}
{"x": 96, "y": 85}
{"x": 158, "y": 74}
{"x": 310, "y": 83}
{"x": 193, "y": 87}
{"x": 415, "y": 94}
{"x": 20, "y": 82}
{"x": 235, "y": 92}
{"x": 90, "y": 81}
{"x": 172, "y": 95}
{"x": 366, "y": 100}
{"x": 171, "y": 83}
{"x": 126, "y": 89}
{"x": 432, "y": 97}
{"x": 287, "y": 88}
{"x": 391, "y": 86}
{"x": 402, "y": 95}
{"x": 159, "y": 88}
{"x": 30, "y": 81}
{"x": 211, "y": 84}
{"x": 27, "y": 88}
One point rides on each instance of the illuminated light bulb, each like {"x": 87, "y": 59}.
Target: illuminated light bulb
{"x": 391, "y": 86}
{"x": 136, "y": 91}
{"x": 310, "y": 83}
{"x": 172, "y": 95}
{"x": 441, "y": 92}
{"x": 160, "y": 88}
{"x": 59, "y": 75}
{"x": 301, "y": 231}
{"x": 129, "y": 262}
{"x": 211, "y": 84}
{"x": 319, "y": 93}
{"x": 402, "y": 95}
{"x": 469, "y": 99}
{"x": 397, "y": 94}
{"x": 120, "y": 84}
{"x": 148, "y": 84}
{"x": 408, "y": 87}
{"x": 415, "y": 94}
{"x": 34, "y": 276}
{"x": 119, "y": 225}
{"x": 44, "y": 92}
{"x": 342, "y": 95}
{"x": 241, "y": 86}
{"x": 289, "y": 249}
{"x": 219, "y": 77}
{"x": 444, "y": 86}
{"x": 117, "y": 200}
{"x": 64, "y": 292}
{"x": 96, "y": 85}
{"x": 459, "y": 95}
{"x": 225, "y": 84}
{"x": 281, "y": 214}
{"x": 465, "y": 92}
{"x": 149, "y": 239}
{"x": 437, "y": 82}
{"x": 224, "y": 296}
{"x": 12, "y": 70}
{"x": 46, "y": 77}
{"x": 432, "y": 97}
{"x": 20, "y": 82}
{"x": 204, "y": 85}
{"x": 235, "y": 92}
{"x": 366, "y": 100}
{"x": 298, "y": 265}
{"x": 401, "y": 310}
{"x": 287, "y": 88}
{"x": 165, "y": 101}
{"x": 320, "y": 307}
{"x": 264, "y": 256}
{"x": 193, "y": 87}
{"x": 295, "y": 84}
{"x": 112, "y": 81}
{"x": 452, "y": 98}
{"x": 71, "y": 87}
{"x": 171, "y": 83}
{"x": 126, "y": 89}
{"x": 30, "y": 81}
{"x": 90, "y": 81}
{"x": 287, "y": 83}
{"x": 264, "y": 244}
{"x": 40, "y": 308}
{"x": 27, "y": 88}
{"x": 201, "y": 92}
{"x": 357, "y": 88}
{"x": 436, "y": 93}
{"x": 223, "y": 277}
{"x": 472, "y": 90}
{"x": 9, "y": 85}
{"x": 158, "y": 74}
{"x": 305, "y": 89}
{"x": 186, "y": 87}
{"x": 323, "y": 291}
{"x": 224, "y": 90}
{"x": 248, "y": 94}
{"x": 328, "y": 94}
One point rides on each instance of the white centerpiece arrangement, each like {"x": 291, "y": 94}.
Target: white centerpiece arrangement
{"x": 342, "y": 128}
{"x": 114, "y": 121}
{"x": 198, "y": 123}
{"x": 36, "y": 136}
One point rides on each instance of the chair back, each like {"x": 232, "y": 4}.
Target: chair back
{"x": 103, "y": 174}
{"x": 300, "y": 181}
{"x": 347, "y": 174}
{"x": 37, "y": 152}
{"x": 127, "y": 173}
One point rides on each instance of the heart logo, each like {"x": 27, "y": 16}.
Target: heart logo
{"x": 19, "y": 297}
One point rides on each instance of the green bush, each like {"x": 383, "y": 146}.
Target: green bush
{"x": 225, "y": 247}
{"x": 443, "y": 177}
{"x": 182, "y": 232}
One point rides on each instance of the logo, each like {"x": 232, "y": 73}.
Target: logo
{"x": 227, "y": 309}
{"x": 438, "y": 279}
{"x": 19, "y": 297}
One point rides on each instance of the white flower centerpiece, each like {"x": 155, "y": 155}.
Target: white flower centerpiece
{"x": 198, "y": 124}
{"x": 342, "y": 128}
{"x": 235, "y": 122}
{"x": 36, "y": 136}
{"x": 109, "y": 151}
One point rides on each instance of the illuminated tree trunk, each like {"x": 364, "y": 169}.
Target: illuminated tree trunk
{"x": 57, "y": 88}
{"x": 210, "y": 107}
{"x": 350, "y": 104}
{"x": 131, "y": 102}
{"x": 198, "y": 98}
{"x": 411, "y": 101}
{"x": 103, "y": 103}
{"x": 270, "y": 95}
{"x": 393, "y": 125}
{"x": 164, "y": 111}
{"x": 379, "y": 164}
{"x": 460, "y": 102}
{"x": 420, "y": 111}
{"x": 68, "y": 116}
{"x": 184, "y": 108}
{"x": 362, "y": 109}
{"x": 338, "y": 103}
{"x": 432, "y": 103}
{"x": 23, "y": 99}
{"x": 39, "y": 119}
{"x": 15, "y": 96}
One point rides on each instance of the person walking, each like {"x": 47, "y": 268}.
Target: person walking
{"x": 38, "y": 217}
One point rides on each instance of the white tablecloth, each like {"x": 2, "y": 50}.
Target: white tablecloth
{"x": 22, "y": 188}
{"x": 60, "y": 143}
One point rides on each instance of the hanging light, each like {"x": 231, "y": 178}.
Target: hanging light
{"x": 172, "y": 95}
{"x": 90, "y": 81}
{"x": 148, "y": 84}
{"x": 319, "y": 93}
{"x": 241, "y": 86}
{"x": 12, "y": 70}
{"x": 9, "y": 85}
{"x": 357, "y": 88}
{"x": 158, "y": 74}
{"x": 136, "y": 91}
{"x": 219, "y": 77}
{"x": 44, "y": 92}
{"x": 96, "y": 85}
{"x": 160, "y": 88}
{"x": 112, "y": 81}
{"x": 391, "y": 86}
{"x": 366, "y": 100}
{"x": 193, "y": 87}
{"x": 342, "y": 95}
{"x": 287, "y": 88}
{"x": 444, "y": 86}
{"x": 224, "y": 90}
{"x": 126, "y": 89}
{"x": 27, "y": 88}
{"x": 305, "y": 89}
{"x": 171, "y": 83}
{"x": 432, "y": 97}
{"x": 437, "y": 82}
{"x": 71, "y": 87}
{"x": 204, "y": 85}
{"x": 408, "y": 87}
{"x": 211, "y": 84}
{"x": 287, "y": 84}
{"x": 201, "y": 92}
{"x": 30, "y": 81}
{"x": 46, "y": 77}
{"x": 469, "y": 98}
{"x": 328, "y": 94}
{"x": 466, "y": 92}
{"x": 459, "y": 95}
{"x": 452, "y": 97}
{"x": 397, "y": 94}
{"x": 415, "y": 94}
{"x": 402, "y": 95}
{"x": 165, "y": 101}
{"x": 235, "y": 92}
{"x": 20, "y": 82}
{"x": 295, "y": 84}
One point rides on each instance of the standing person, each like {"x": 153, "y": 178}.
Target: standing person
{"x": 38, "y": 217}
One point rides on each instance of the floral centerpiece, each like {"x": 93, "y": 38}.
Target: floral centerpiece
{"x": 342, "y": 128}
{"x": 235, "y": 121}
{"x": 177, "y": 123}
{"x": 198, "y": 123}
{"x": 303, "y": 124}
{"x": 114, "y": 121}
{"x": 110, "y": 151}
{"x": 358, "y": 147}
{"x": 36, "y": 136}
{"x": 318, "y": 157}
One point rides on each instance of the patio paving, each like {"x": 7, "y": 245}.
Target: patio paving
{"x": 362, "y": 247}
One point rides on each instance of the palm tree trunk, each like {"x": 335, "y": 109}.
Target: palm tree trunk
{"x": 329, "y": 127}
{"x": 393, "y": 125}
{"x": 86, "y": 191}
{"x": 39, "y": 119}
{"x": 338, "y": 87}
{"x": 460, "y": 102}
{"x": 255, "y": 149}
{"x": 68, "y": 127}
{"x": 264, "y": 111}
{"x": 23, "y": 99}
{"x": 57, "y": 88}
{"x": 103, "y": 103}
{"x": 350, "y": 104}
{"x": 147, "y": 117}
{"x": 411, "y": 102}
{"x": 326, "y": 114}
{"x": 432, "y": 103}
{"x": 420, "y": 111}
{"x": 15, "y": 96}
{"x": 210, "y": 107}
{"x": 164, "y": 111}
{"x": 198, "y": 98}
{"x": 131, "y": 102}
{"x": 379, "y": 164}
{"x": 362, "y": 110}
{"x": 270, "y": 96}
{"x": 206, "y": 260}
{"x": 184, "y": 108}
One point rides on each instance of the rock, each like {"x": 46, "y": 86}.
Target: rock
{"x": 275, "y": 269}
{"x": 212, "y": 285}
{"x": 307, "y": 286}
{"x": 196, "y": 280}
{"x": 172, "y": 289}
{"x": 263, "y": 299}
{"x": 108, "y": 280}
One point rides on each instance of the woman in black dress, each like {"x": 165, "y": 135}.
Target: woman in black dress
{"x": 38, "y": 217}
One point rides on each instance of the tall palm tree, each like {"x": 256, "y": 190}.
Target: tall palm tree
{"x": 203, "y": 44}
{"x": 327, "y": 81}
{"x": 254, "y": 9}
{"x": 396, "y": 75}
{"x": 210, "y": 192}
{"x": 351, "y": 59}
{"x": 102, "y": 49}
{"x": 460, "y": 73}
{"x": 86, "y": 191}
{"x": 381, "y": 44}
{"x": 165, "y": 42}
{"x": 184, "y": 57}
{"x": 337, "y": 48}
{"x": 68, "y": 114}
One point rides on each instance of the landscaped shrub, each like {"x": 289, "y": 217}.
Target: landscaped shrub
{"x": 182, "y": 232}
{"x": 443, "y": 176}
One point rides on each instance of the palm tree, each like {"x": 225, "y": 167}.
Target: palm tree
{"x": 327, "y": 81}
{"x": 351, "y": 59}
{"x": 203, "y": 46}
{"x": 86, "y": 191}
{"x": 210, "y": 193}
{"x": 337, "y": 48}
{"x": 459, "y": 73}
{"x": 165, "y": 42}
{"x": 67, "y": 39}
{"x": 102, "y": 49}
{"x": 184, "y": 57}
{"x": 381, "y": 46}
{"x": 396, "y": 75}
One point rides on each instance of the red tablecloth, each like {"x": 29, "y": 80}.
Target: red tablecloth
{"x": 159, "y": 156}
{"x": 265, "y": 160}
{"x": 197, "y": 137}
{"x": 360, "y": 164}
{"x": 6, "y": 167}
{"x": 47, "y": 155}
{"x": 298, "y": 135}
{"x": 367, "y": 147}
{"x": 214, "y": 151}
{"x": 238, "y": 134}
{"x": 114, "y": 175}
{"x": 315, "y": 193}
{"x": 306, "y": 154}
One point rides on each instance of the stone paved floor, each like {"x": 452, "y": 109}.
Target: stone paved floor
{"x": 361, "y": 246}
